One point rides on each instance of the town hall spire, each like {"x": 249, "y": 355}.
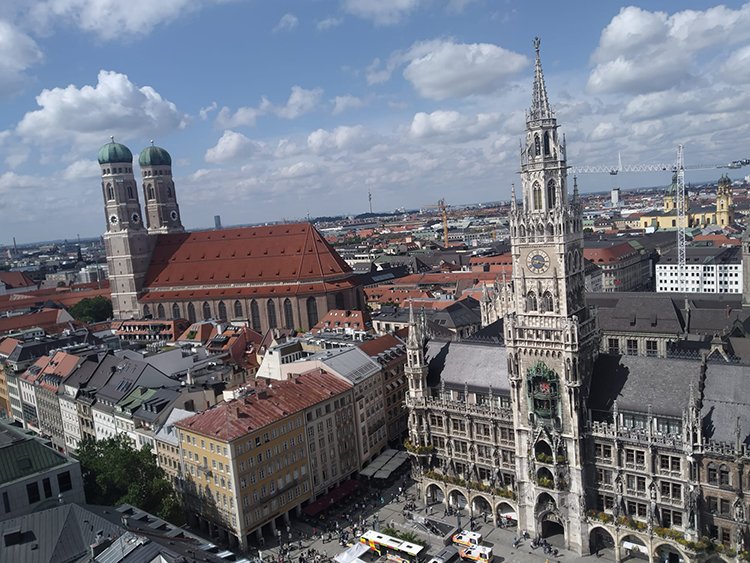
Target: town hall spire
{"x": 539, "y": 104}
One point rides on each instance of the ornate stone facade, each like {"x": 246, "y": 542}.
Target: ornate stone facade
{"x": 643, "y": 455}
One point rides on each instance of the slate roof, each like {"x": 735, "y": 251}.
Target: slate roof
{"x": 636, "y": 382}
{"x": 62, "y": 533}
{"x": 726, "y": 402}
{"x": 460, "y": 363}
{"x": 351, "y": 363}
{"x": 636, "y": 312}
{"x": 22, "y": 455}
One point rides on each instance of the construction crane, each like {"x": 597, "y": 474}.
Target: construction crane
{"x": 443, "y": 208}
{"x": 678, "y": 169}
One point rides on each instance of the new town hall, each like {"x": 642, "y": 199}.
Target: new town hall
{"x": 644, "y": 453}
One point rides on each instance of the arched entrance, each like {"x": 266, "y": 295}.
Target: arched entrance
{"x": 601, "y": 543}
{"x": 481, "y": 508}
{"x": 666, "y": 553}
{"x": 506, "y": 514}
{"x": 457, "y": 500}
{"x": 434, "y": 494}
{"x": 633, "y": 548}
{"x": 550, "y": 525}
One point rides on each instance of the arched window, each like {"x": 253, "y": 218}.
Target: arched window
{"x": 130, "y": 191}
{"x": 531, "y": 301}
{"x": 547, "y": 304}
{"x": 206, "y": 311}
{"x": 146, "y": 311}
{"x": 110, "y": 192}
{"x": 551, "y": 194}
{"x": 255, "y": 315}
{"x": 288, "y": 314}
{"x": 537, "y": 192}
{"x": 713, "y": 474}
{"x": 237, "y": 309}
{"x": 175, "y": 311}
{"x": 222, "y": 311}
{"x": 169, "y": 190}
{"x": 191, "y": 312}
{"x": 546, "y": 143}
{"x": 160, "y": 311}
{"x": 150, "y": 191}
{"x": 521, "y": 231}
{"x": 271, "y": 309}
{"x": 724, "y": 476}
{"x": 339, "y": 300}
{"x": 312, "y": 311}
{"x": 537, "y": 145}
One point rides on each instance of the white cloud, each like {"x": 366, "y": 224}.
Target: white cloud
{"x": 450, "y": 70}
{"x": 297, "y": 170}
{"x": 88, "y": 115}
{"x": 346, "y": 103}
{"x": 114, "y": 19}
{"x": 452, "y": 126}
{"x": 18, "y": 53}
{"x": 300, "y": 102}
{"x": 287, "y": 23}
{"x": 641, "y": 51}
{"x": 231, "y": 146}
{"x": 441, "y": 68}
{"x": 381, "y": 12}
{"x": 82, "y": 169}
{"x": 328, "y": 23}
{"x": 340, "y": 138}
{"x": 205, "y": 111}
{"x": 242, "y": 117}
{"x": 736, "y": 69}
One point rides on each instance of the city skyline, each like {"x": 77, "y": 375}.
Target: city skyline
{"x": 268, "y": 117}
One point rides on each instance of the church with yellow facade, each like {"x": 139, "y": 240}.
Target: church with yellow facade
{"x": 721, "y": 214}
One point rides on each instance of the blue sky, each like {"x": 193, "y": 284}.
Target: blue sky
{"x": 277, "y": 109}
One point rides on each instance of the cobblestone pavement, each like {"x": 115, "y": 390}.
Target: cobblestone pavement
{"x": 391, "y": 513}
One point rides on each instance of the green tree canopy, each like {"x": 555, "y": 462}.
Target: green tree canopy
{"x": 114, "y": 472}
{"x": 92, "y": 310}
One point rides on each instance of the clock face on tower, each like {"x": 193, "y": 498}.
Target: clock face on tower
{"x": 537, "y": 261}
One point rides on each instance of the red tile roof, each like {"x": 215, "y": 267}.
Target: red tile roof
{"x": 50, "y": 371}
{"x": 291, "y": 254}
{"x": 66, "y": 297}
{"x": 379, "y": 345}
{"x": 14, "y": 280}
{"x": 7, "y": 346}
{"x": 234, "y": 419}
{"x": 46, "y": 319}
{"x": 609, "y": 253}
{"x": 339, "y": 318}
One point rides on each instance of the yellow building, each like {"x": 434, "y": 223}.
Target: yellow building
{"x": 721, "y": 214}
{"x": 245, "y": 462}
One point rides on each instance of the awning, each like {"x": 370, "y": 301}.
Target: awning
{"x": 332, "y": 497}
{"x": 386, "y": 463}
{"x": 634, "y": 547}
{"x": 353, "y": 553}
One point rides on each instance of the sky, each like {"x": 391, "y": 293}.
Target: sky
{"x": 282, "y": 109}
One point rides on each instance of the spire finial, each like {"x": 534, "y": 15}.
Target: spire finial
{"x": 513, "y": 196}
{"x": 539, "y": 103}
{"x": 111, "y": 138}
{"x": 152, "y": 142}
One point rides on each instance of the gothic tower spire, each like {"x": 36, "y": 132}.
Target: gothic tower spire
{"x": 551, "y": 336}
{"x": 539, "y": 103}
{"x": 416, "y": 367}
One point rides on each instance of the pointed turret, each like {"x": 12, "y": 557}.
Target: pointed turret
{"x": 416, "y": 369}
{"x": 540, "y": 103}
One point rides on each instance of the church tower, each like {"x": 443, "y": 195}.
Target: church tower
{"x": 551, "y": 337}
{"x": 416, "y": 377}
{"x": 162, "y": 211}
{"x": 126, "y": 241}
{"x": 724, "y": 209}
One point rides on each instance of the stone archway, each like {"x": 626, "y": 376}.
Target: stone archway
{"x": 601, "y": 543}
{"x": 633, "y": 548}
{"x": 506, "y": 514}
{"x": 549, "y": 523}
{"x": 434, "y": 494}
{"x": 457, "y": 500}
{"x": 667, "y": 553}
{"x": 481, "y": 507}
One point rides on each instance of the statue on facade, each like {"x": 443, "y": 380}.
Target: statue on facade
{"x": 739, "y": 511}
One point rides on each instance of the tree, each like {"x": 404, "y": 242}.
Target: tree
{"x": 92, "y": 310}
{"x": 114, "y": 472}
